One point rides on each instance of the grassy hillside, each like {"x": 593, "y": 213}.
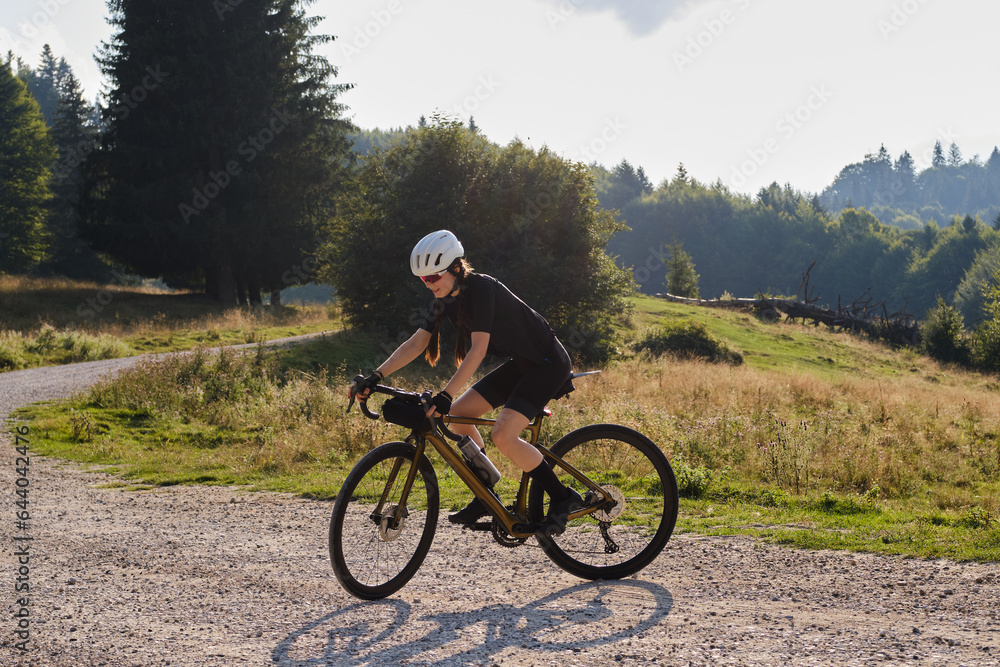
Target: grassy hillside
{"x": 48, "y": 321}
{"x": 818, "y": 439}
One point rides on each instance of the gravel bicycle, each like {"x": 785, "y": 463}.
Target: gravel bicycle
{"x": 386, "y": 512}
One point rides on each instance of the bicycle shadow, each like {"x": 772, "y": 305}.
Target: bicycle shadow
{"x": 386, "y": 632}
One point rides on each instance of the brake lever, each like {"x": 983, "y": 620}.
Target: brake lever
{"x": 425, "y": 400}
{"x": 352, "y": 392}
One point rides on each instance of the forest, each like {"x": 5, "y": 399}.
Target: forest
{"x": 260, "y": 184}
{"x": 763, "y": 244}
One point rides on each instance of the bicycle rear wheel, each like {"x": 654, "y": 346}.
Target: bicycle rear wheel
{"x": 373, "y": 555}
{"x": 615, "y": 542}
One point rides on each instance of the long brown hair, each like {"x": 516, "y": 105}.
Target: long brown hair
{"x": 461, "y": 268}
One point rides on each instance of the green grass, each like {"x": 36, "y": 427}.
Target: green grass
{"x": 786, "y": 348}
{"x": 898, "y": 529}
{"x": 820, "y": 440}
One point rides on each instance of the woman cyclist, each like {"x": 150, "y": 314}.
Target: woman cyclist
{"x": 498, "y": 323}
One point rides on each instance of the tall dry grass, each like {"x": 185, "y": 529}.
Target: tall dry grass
{"x": 912, "y": 437}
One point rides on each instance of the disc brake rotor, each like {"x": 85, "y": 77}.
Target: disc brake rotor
{"x": 610, "y": 514}
{"x": 386, "y": 530}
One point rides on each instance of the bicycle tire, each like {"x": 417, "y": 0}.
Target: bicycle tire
{"x": 621, "y": 458}
{"x": 371, "y": 558}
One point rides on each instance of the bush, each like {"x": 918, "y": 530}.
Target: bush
{"x": 688, "y": 339}
{"x": 943, "y": 336}
{"x": 11, "y": 351}
{"x": 987, "y": 336}
{"x": 692, "y": 482}
{"x": 681, "y": 277}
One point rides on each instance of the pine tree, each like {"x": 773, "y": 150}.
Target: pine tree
{"x": 937, "y": 159}
{"x": 224, "y": 143}
{"x": 681, "y": 277}
{"x": 43, "y": 82}
{"x": 681, "y": 177}
{"x": 954, "y": 155}
{"x": 26, "y": 151}
{"x": 75, "y": 137}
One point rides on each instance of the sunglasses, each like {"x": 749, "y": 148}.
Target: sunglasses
{"x": 431, "y": 279}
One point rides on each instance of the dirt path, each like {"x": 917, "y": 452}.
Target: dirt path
{"x": 218, "y": 576}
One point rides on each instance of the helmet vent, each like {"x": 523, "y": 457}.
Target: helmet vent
{"x": 436, "y": 251}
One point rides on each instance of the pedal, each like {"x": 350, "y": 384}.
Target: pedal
{"x": 480, "y": 525}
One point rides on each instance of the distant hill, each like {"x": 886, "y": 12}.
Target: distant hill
{"x": 898, "y": 195}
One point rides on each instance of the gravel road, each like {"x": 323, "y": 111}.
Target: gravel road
{"x": 220, "y": 576}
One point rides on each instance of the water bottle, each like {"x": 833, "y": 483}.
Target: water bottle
{"x": 477, "y": 460}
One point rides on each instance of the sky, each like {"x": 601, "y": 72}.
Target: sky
{"x": 746, "y": 92}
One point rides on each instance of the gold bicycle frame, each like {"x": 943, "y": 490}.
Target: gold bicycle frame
{"x": 511, "y": 520}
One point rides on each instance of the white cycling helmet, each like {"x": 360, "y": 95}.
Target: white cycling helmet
{"x": 435, "y": 253}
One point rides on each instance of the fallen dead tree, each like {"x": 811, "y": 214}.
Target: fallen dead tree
{"x": 861, "y": 316}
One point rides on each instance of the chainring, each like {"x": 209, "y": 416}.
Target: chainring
{"x": 502, "y": 537}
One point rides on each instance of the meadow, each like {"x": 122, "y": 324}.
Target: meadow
{"x": 817, "y": 439}
{"x": 50, "y": 321}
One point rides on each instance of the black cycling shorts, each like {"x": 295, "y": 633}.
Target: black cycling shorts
{"x": 526, "y": 386}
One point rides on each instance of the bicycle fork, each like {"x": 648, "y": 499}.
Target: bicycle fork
{"x": 400, "y": 512}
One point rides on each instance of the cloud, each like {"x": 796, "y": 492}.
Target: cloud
{"x": 641, "y": 17}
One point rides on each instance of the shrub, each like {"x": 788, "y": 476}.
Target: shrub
{"x": 943, "y": 336}
{"x": 688, "y": 339}
{"x": 692, "y": 482}
{"x": 682, "y": 280}
{"x": 987, "y": 336}
{"x": 11, "y": 351}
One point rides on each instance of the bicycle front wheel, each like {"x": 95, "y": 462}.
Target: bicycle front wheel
{"x": 376, "y": 541}
{"x": 617, "y": 541}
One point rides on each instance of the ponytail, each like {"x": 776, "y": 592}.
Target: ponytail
{"x": 433, "y": 351}
{"x": 461, "y": 268}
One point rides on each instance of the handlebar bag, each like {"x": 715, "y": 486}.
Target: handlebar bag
{"x": 406, "y": 411}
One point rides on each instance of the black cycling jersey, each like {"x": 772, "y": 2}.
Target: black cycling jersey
{"x": 515, "y": 329}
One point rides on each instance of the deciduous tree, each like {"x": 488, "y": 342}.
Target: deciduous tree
{"x": 528, "y": 218}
